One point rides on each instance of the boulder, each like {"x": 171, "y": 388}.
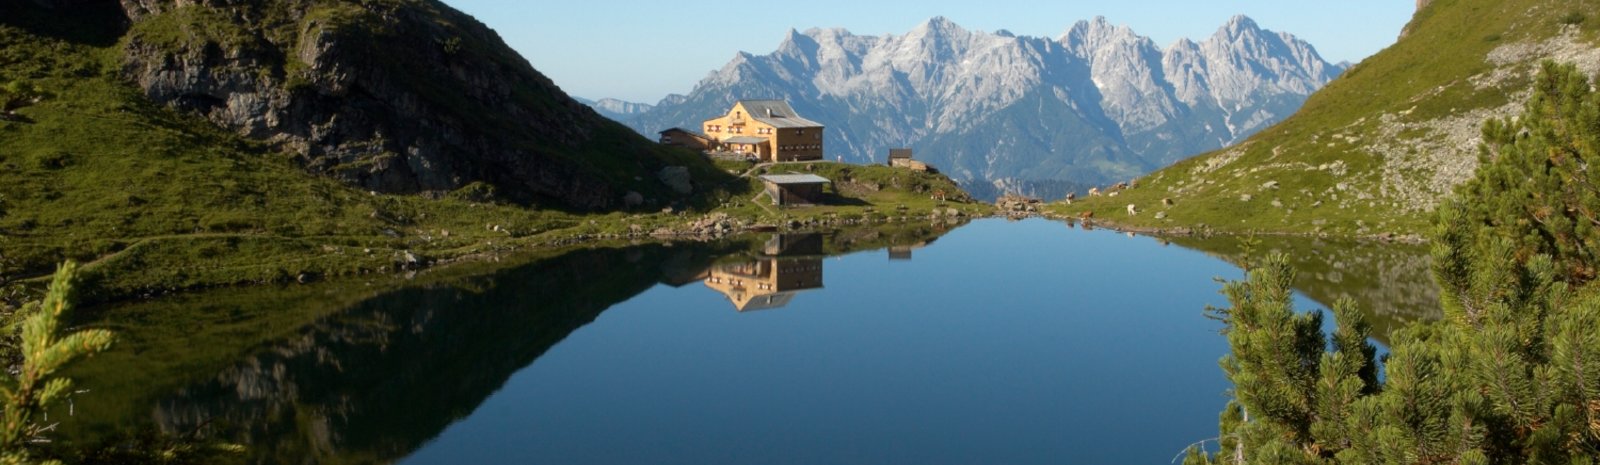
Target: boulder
{"x": 676, "y": 178}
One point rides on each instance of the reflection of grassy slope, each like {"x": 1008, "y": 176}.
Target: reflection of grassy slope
{"x": 1422, "y": 79}
{"x": 385, "y": 372}
{"x": 1391, "y": 283}
{"x": 349, "y": 375}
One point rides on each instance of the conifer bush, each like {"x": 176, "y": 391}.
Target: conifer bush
{"x": 1511, "y": 375}
{"x": 25, "y": 395}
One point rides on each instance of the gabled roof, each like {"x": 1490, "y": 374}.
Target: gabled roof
{"x": 794, "y": 179}
{"x": 745, "y": 140}
{"x": 678, "y": 130}
{"x": 899, "y": 153}
{"x": 777, "y": 113}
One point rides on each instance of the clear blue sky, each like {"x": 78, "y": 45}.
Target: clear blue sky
{"x": 641, "y": 51}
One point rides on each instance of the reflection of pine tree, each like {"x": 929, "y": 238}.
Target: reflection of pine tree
{"x": 1512, "y": 375}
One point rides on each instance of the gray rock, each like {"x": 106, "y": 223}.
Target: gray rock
{"x": 677, "y": 178}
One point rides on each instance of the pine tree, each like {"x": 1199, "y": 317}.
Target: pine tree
{"x": 1510, "y": 376}
{"x": 44, "y": 352}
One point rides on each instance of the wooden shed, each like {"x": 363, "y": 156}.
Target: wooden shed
{"x": 794, "y": 189}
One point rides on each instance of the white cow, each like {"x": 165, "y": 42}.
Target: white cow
{"x": 1132, "y": 211}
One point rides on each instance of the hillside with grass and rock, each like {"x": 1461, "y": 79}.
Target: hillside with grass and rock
{"x": 1377, "y": 150}
{"x": 170, "y": 146}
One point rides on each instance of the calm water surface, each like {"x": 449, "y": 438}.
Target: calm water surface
{"x": 997, "y": 342}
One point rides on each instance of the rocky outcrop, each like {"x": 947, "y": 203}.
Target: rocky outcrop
{"x": 395, "y": 96}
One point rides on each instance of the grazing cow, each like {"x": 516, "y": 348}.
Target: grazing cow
{"x": 1132, "y": 211}
{"x": 1094, "y": 192}
{"x": 1071, "y": 197}
{"x": 1120, "y": 186}
{"x": 1084, "y": 215}
{"x": 1167, "y": 202}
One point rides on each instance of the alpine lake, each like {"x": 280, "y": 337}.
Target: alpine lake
{"x": 995, "y": 341}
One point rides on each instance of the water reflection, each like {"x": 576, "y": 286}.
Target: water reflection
{"x": 339, "y": 373}
{"x": 789, "y": 264}
{"x": 1391, "y": 283}
{"x": 381, "y": 373}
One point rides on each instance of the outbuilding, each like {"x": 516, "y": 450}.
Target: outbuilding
{"x": 794, "y": 189}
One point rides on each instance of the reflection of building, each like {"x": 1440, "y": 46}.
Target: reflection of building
{"x": 903, "y": 252}
{"x": 767, "y": 282}
{"x": 790, "y": 263}
{"x": 788, "y": 245}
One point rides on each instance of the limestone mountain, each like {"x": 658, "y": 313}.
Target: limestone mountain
{"x": 999, "y": 111}
{"x": 617, "y": 110}
{"x": 1377, "y": 150}
{"x": 395, "y": 96}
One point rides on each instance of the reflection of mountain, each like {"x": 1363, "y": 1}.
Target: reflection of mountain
{"x": 1391, "y": 283}
{"x": 372, "y": 382}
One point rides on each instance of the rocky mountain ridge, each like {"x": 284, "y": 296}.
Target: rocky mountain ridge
{"x": 997, "y": 110}
{"x": 617, "y": 110}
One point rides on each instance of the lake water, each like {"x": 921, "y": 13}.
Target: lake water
{"x": 993, "y": 342}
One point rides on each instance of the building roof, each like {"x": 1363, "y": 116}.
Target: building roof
{"x": 899, "y": 153}
{"x": 677, "y": 130}
{"x": 745, "y": 140}
{"x": 794, "y": 179}
{"x": 777, "y": 113}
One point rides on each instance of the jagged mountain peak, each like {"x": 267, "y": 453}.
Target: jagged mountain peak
{"x": 940, "y": 23}
{"x": 1240, "y": 24}
{"x": 938, "y": 29}
{"x": 1087, "y": 38}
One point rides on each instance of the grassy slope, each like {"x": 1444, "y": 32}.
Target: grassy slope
{"x": 156, "y": 200}
{"x": 1424, "y": 77}
{"x": 96, "y": 172}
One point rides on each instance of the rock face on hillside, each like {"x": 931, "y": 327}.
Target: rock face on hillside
{"x": 396, "y": 96}
{"x": 998, "y": 111}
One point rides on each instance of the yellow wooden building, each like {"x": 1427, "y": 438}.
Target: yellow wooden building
{"x": 768, "y": 130}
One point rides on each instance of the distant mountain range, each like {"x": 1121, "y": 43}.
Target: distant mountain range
{"x": 616, "y": 109}
{"x": 1377, "y": 151}
{"x": 1001, "y": 112}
